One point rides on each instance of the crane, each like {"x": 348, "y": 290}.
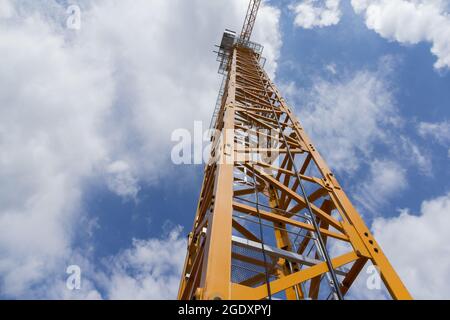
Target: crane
{"x": 250, "y": 20}
{"x": 270, "y": 209}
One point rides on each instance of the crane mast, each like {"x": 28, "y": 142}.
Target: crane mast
{"x": 272, "y": 220}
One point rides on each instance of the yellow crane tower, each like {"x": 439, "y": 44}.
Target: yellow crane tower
{"x": 272, "y": 220}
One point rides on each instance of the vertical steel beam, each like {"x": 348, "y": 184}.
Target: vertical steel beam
{"x": 219, "y": 230}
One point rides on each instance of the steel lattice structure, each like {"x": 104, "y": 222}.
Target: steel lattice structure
{"x": 272, "y": 220}
{"x": 250, "y": 19}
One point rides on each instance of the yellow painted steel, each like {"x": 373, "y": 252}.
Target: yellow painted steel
{"x": 241, "y": 197}
{"x": 252, "y": 102}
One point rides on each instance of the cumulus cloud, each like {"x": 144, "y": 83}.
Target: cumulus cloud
{"x": 314, "y": 13}
{"x": 410, "y": 22}
{"x": 121, "y": 180}
{"x": 386, "y": 180}
{"x": 98, "y": 102}
{"x": 347, "y": 117}
{"x": 406, "y": 21}
{"x": 151, "y": 269}
{"x": 416, "y": 246}
{"x": 267, "y": 32}
{"x": 6, "y": 9}
{"x": 50, "y": 106}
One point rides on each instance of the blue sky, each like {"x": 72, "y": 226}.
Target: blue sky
{"x": 419, "y": 91}
{"x": 86, "y": 118}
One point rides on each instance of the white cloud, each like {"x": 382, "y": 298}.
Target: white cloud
{"x": 410, "y": 22}
{"x": 347, "y": 117}
{"x": 331, "y": 68}
{"x": 440, "y": 131}
{"x": 73, "y": 103}
{"x": 268, "y": 33}
{"x": 351, "y": 114}
{"x": 416, "y": 246}
{"x": 121, "y": 181}
{"x": 50, "y": 106}
{"x": 405, "y": 21}
{"x": 6, "y": 9}
{"x": 314, "y": 13}
{"x": 165, "y": 74}
{"x": 149, "y": 270}
{"x": 410, "y": 153}
{"x": 386, "y": 180}
{"x": 352, "y": 117}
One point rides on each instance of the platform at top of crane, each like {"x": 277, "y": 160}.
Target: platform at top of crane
{"x": 231, "y": 39}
